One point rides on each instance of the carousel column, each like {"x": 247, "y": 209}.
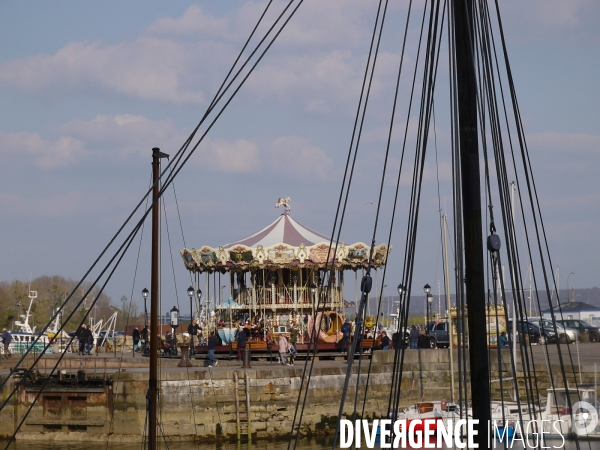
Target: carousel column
{"x": 273, "y": 294}
{"x": 295, "y": 299}
{"x": 341, "y": 290}
{"x": 253, "y": 281}
{"x": 331, "y": 289}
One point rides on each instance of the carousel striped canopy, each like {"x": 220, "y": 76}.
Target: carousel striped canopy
{"x": 283, "y": 243}
{"x": 284, "y": 230}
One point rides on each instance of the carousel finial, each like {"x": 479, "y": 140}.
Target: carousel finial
{"x": 285, "y": 202}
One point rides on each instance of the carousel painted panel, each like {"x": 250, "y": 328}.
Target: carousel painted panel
{"x": 241, "y": 255}
{"x": 380, "y": 254}
{"x": 281, "y": 254}
{"x": 321, "y": 253}
{"x": 188, "y": 259}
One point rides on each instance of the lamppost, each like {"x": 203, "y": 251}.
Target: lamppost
{"x": 145, "y": 295}
{"x": 428, "y": 300}
{"x": 174, "y": 324}
{"x": 568, "y": 293}
{"x": 400, "y": 317}
{"x": 190, "y": 293}
{"x": 401, "y": 291}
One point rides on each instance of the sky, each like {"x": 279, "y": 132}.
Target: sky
{"x": 88, "y": 88}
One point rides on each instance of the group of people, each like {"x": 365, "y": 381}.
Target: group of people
{"x": 287, "y": 348}
{"x": 86, "y": 339}
{"x": 140, "y": 339}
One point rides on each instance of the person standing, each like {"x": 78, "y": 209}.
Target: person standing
{"x": 213, "y": 341}
{"x": 241, "y": 344}
{"x": 90, "y": 340}
{"x": 283, "y": 348}
{"x": 414, "y": 337}
{"x": 144, "y": 340}
{"x": 503, "y": 340}
{"x": 193, "y": 329}
{"x": 385, "y": 341}
{"x": 293, "y": 341}
{"x": 6, "y": 340}
{"x": 346, "y": 330}
{"x": 135, "y": 335}
{"x": 82, "y": 338}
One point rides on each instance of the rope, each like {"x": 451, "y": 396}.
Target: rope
{"x": 303, "y": 390}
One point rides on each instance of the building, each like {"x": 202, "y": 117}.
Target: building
{"x": 575, "y": 310}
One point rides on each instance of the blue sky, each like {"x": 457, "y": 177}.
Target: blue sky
{"x": 88, "y": 88}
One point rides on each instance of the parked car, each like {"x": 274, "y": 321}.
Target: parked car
{"x": 537, "y": 333}
{"x": 439, "y": 336}
{"x": 583, "y": 327}
{"x": 566, "y": 335}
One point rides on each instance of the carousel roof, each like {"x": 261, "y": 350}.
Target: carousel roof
{"x": 284, "y": 230}
{"x": 283, "y": 243}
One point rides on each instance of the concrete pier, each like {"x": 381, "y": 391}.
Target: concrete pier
{"x": 198, "y": 403}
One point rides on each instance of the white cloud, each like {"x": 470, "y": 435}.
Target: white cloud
{"x": 236, "y": 157}
{"x": 147, "y": 68}
{"x": 44, "y": 154}
{"x": 123, "y": 135}
{"x": 295, "y": 157}
{"x": 52, "y": 206}
{"x": 194, "y": 21}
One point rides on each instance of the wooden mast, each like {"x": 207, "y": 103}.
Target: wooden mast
{"x": 154, "y": 297}
{"x": 471, "y": 200}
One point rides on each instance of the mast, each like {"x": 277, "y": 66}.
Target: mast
{"x": 448, "y": 305}
{"x": 471, "y": 201}
{"x": 154, "y": 296}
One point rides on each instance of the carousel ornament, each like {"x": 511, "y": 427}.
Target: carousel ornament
{"x": 285, "y": 202}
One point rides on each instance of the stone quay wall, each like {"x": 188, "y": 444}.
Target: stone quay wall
{"x": 201, "y": 404}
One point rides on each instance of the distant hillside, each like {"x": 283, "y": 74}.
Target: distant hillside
{"x": 417, "y": 303}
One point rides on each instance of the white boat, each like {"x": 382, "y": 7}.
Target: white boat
{"x": 580, "y": 418}
{"x": 25, "y": 336}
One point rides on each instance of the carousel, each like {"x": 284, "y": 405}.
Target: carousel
{"x": 277, "y": 283}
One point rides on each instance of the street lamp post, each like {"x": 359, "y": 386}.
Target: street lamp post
{"x": 190, "y": 293}
{"x": 428, "y": 299}
{"x": 145, "y": 295}
{"x": 147, "y": 333}
{"x": 400, "y": 317}
{"x": 174, "y": 324}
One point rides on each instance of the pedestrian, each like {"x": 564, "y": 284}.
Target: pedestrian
{"x": 293, "y": 351}
{"x": 283, "y": 348}
{"x": 193, "y": 329}
{"x": 90, "y": 340}
{"x": 82, "y": 338}
{"x": 414, "y": 337}
{"x": 503, "y": 340}
{"x": 346, "y": 330}
{"x": 144, "y": 340}
{"x": 425, "y": 340}
{"x": 213, "y": 341}
{"x": 241, "y": 344}
{"x": 385, "y": 341}
{"x": 6, "y": 340}
{"x": 135, "y": 335}
{"x": 169, "y": 343}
